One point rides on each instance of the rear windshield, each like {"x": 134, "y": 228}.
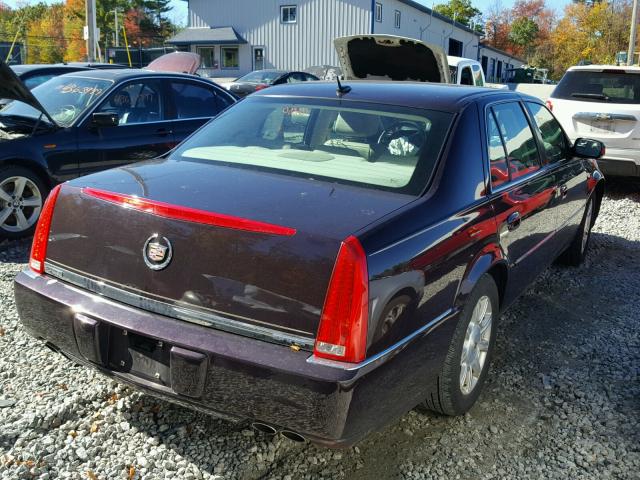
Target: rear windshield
{"x": 261, "y": 77}
{"x": 374, "y": 146}
{"x": 606, "y": 86}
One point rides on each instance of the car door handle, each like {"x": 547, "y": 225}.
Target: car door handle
{"x": 163, "y": 132}
{"x": 513, "y": 221}
{"x": 564, "y": 190}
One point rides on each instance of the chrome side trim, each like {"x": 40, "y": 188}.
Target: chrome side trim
{"x": 372, "y": 362}
{"x": 207, "y": 319}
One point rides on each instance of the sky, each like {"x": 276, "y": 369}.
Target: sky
{"x": 178, "y": 15}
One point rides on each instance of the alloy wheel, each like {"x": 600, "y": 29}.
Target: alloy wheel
{"x": 20, "y": 204}
{"x": 476, "y": 345}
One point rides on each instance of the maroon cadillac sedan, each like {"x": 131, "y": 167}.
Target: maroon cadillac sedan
{"x": 315, "y": 261}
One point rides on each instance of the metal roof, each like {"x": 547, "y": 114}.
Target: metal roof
{"x": 208, "y": 36}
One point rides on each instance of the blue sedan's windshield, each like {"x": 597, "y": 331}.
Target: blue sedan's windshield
{"x": 64, "y": 98}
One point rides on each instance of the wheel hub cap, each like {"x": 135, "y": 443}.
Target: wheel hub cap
{"x": 20, "y": 204}
{"x": 476, "y": 345}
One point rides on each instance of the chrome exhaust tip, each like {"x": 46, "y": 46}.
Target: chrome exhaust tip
{"x": 293, "y": 436}
{"x": 264, "y": 428}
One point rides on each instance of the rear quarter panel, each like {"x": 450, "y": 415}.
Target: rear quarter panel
{"x": 426, "y": 250}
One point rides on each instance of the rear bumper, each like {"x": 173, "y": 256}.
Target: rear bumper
{"x": 231, "y": 376}
{"x": 620, "y": 163}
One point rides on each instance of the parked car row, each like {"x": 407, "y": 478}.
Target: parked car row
{"x": 317, "y": 259}
{"x": 87, "y": 121}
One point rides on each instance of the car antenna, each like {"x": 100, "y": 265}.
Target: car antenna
{"x": 342, "y": 89}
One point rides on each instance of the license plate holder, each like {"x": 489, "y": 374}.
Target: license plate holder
{"x": 140, "y": 356}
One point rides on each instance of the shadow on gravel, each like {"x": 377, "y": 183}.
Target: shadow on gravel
{"x": 15, "y": 251}
{"x": 617, "y": 187}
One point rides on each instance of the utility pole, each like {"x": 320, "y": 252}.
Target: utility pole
{"x": 90, "y": 10}
{"x": 632, "y": 34}
{"x": 117, "y": 30}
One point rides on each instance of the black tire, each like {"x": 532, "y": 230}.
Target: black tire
{"x": 9, "y": 227}
{"x": 576, "y": 252}
{"x": 446, "y": 396}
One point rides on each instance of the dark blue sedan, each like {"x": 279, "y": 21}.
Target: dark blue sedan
{"x": 88, "y": 121}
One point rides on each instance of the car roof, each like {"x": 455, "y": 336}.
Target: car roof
{"x": 599, "y": 68}
{"x": 434, "y": 96}
{"x": 20, "y": 69}
{"x": 455, "y": 61}
{"x": 122, "y": 74}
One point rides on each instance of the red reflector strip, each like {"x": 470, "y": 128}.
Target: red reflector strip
{"x": 41, "y": 235}
{"x": 187, "y": 214}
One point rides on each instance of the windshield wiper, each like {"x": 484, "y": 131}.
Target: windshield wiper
{"x": 595, "y": 96}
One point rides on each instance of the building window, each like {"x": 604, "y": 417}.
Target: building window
{"x": 397, "y": 18}
{"x": 208, "y": 57}
{"x": 230, "y": 57}
{"x": 289, "y": 13}
{"x": 455, "y": 47}
{"x": 378, "y": 12}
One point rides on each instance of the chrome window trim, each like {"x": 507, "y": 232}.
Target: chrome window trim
{"x": 207, "y": 319}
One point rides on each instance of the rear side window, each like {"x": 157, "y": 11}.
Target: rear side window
{"x": 612, "y": 86}
{"x": 517, "y": 138}
{"x": 553, "y": 139}
{"x": 465, "y": 76}
{"x": 193, "y": 101}
{"x": 477, "y": 75}
{"x": 497, "y": 157}
{"x": 372, "y": 146}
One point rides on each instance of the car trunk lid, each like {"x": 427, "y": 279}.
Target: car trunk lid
{"x": 256, "y": 279}
{"x": 177, "y": 62}
{"x": 390, "y": 57}
{"x": 617, "y": 125}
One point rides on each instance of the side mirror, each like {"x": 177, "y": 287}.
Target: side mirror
{"x": 587, "y": 148}
{"x": 105, "y": 119}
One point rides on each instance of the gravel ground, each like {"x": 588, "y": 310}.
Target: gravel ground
{"x": 562, "y": 400}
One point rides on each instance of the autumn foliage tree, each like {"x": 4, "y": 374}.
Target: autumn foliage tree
{"x": 53, "y": 32}
{"x": 591, "y": 32}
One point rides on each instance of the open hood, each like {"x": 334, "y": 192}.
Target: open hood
{"x": 12, "y": 88}
{"x": 389, "y": 57}
{"x": 176, "y": 62}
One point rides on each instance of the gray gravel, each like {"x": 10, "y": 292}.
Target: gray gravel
{"x": 562, "y": 401}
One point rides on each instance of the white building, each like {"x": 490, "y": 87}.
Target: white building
{"x": 496, "y": 63}
{"x": 235, "y": 37}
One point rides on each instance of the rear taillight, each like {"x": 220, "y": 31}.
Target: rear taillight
{"x": 343, "y": 325}
{"x": 549, "y": 105}
{"x": 41, "y": 237}
{"x": 261, "y": 86}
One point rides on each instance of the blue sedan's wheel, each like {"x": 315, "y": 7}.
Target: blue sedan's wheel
{"x": 465, "y": 367}
{"x": 21, "y": 198}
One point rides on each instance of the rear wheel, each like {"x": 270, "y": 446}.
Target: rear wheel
{"x": 22, "y": 194}
{"x": 464, "y": 371}
{"x": 577, "y": 251}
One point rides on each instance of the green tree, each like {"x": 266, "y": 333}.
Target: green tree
{"x": 460, "y": 10}
{"x": 524, "y": 32}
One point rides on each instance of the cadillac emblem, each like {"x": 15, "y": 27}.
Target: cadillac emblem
{"x": 157, "y": 252}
